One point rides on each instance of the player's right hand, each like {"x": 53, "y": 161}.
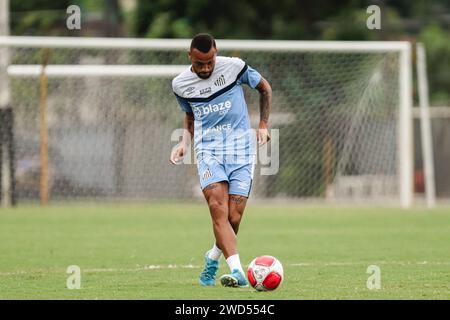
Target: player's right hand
{"x": 178, "y": 152}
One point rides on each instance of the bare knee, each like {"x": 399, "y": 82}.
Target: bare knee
{"x": 219, "y": 212}
{"x": 235, "y": 220}
{"x": 216, "y": 196}
{"x": 217, "y": 205}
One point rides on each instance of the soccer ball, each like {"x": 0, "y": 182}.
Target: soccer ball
{"x": 265, "y": 273}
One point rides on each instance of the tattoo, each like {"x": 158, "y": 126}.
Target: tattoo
{"x": 237, "y": 199}
{"x": 265, "y": 102}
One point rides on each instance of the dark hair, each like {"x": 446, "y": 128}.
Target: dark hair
{"x": 203, "y": 42}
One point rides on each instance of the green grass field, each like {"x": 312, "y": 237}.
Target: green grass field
{"x": 155, "y": 251}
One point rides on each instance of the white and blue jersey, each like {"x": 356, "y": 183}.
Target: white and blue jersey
{"x": 223, "y": 140}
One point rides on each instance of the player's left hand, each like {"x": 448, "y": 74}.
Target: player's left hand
{"x": 262, "y": 134}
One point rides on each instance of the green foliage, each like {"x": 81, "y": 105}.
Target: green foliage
{"x": 437, "y": 45}
{"x": 226, "y": 19}
{"x": 39, "y": 17}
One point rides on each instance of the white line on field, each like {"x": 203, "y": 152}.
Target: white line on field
{"x": 337, "y": 264}
{"x": 94, "y": 270}
{"x": 146, "y": 267}
{"x": 191, "y": 266}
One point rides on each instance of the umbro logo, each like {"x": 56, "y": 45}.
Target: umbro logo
{"x": 220, "y": 81}
{"x": 188, "y": 90}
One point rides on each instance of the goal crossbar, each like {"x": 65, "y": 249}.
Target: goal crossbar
{"x": 97, "y": 70}
{"x": 183, "y": 44}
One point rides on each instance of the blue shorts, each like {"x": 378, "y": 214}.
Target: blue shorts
{"x": 238, "y": 174}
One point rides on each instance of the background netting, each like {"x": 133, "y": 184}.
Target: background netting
{"x": 110, "y": 137}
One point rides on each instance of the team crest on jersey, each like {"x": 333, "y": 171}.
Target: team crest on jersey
{"x": 220, "y": 81}
{"x": 207, "y": 174}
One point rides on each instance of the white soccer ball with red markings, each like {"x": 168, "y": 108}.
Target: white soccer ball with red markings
{"x": 265, "y": 273}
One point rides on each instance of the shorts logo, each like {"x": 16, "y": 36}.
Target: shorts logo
{"x": 220, "y": 81}
{"x": 205, "y": 90}
{"x": 207, "y": 174}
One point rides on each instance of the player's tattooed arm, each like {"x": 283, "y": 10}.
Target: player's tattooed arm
{"x": 265, "y": 106}
{"x": 265, "y": 100}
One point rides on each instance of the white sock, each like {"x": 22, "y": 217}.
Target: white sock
{"x": 234, "y": 263}
{"x": 215, "y": 253}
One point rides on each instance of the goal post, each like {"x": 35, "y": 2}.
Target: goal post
{"x": 6, "y": 117}
{"x": 406, "y": 128}
{"x": 425, "y": 126}
{"x": 343, "y": 110}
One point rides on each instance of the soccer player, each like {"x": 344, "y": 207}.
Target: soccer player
{"x": 210, "y": 93}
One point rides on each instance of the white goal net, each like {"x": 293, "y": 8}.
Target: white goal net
{"x": 342, "y": 111}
